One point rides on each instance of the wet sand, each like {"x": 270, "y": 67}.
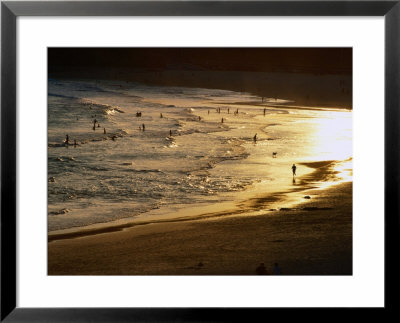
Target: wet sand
{"x": 313, "y": 238}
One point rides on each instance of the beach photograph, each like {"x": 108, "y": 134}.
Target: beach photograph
{"x": 200, "y": 161}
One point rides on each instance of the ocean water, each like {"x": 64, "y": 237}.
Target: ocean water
{"x": 188, "y": 154}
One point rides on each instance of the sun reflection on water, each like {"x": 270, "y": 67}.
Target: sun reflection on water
{"x": 331, "y": 139}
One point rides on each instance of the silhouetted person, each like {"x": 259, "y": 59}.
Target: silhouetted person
{"x": 261, "y": 270}
{"x": 255, "y": 138}
{"x": 294, "y": 170}
{"x": 222, "y": 120}
{"x": 170, "y": 133}
{"x": 199, "y": 118}
{"x": 66, "y": 139}
{"x": 277, "y": 269}
{"x": 161, "y": 115}
{"x": 104, "y": 130}
{"x": 143, "y": 127}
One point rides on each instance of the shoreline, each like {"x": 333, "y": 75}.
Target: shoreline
{"x": 321, "y": 171}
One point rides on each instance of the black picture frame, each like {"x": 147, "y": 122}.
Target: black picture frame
{"x": 10, "y": 10}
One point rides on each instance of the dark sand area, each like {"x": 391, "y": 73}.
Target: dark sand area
{"x": 314, "y": 238}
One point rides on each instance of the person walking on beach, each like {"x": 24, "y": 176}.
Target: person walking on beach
{"x": 294, "y": 170}
{"x": 67, "y": 139}
{"x": 261, "y": 270}
{"x": 255, "y": 138}
{"x": 170, "y": 133}
{"x": 104, "y": 130}
{"x": 143, "y": 127}
{"x": 277, "y": 269}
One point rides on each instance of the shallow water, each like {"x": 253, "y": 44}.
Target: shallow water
{"x": 117, "y": 171}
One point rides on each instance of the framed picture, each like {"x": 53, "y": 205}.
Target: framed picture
{"x": 175, "y": 160}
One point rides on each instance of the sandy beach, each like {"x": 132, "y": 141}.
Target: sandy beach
{"x": 312, "y": 238}
{"x": 200, "y": 161}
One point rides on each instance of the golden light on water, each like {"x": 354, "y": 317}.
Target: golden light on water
{"x": 332, "y": 136}
{"x": 332, "y": 140}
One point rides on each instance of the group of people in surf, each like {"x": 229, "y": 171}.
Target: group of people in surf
{"x": 228, "y": 110}
{"x": 143, "y": 127}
